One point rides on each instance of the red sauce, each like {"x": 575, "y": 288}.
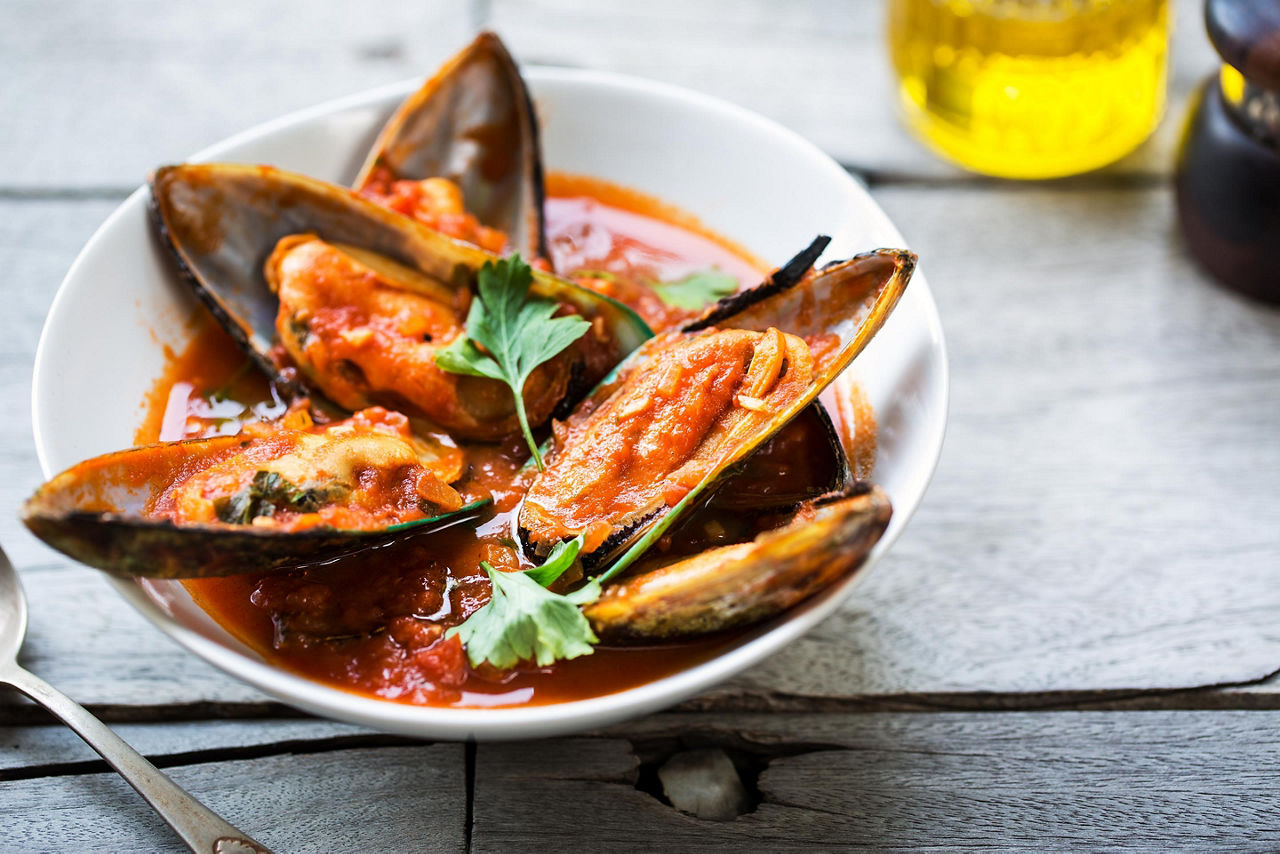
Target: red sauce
{"x": 617, "y": 241}
{"x": 374, "y": 623}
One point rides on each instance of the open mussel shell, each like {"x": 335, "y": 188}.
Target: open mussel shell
{"x": 92, "y": 512}
{"x": 473, "y": 122}
{"x": 804, "y": 460}
{"x": 221, "y": 222}
{"x": 736, "y": 585}
{"x": 843, "y": 305}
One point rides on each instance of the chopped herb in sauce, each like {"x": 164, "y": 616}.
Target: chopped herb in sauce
{"x": 265, "y": 495}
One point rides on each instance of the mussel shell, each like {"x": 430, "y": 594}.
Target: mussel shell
{"x": 91, "y": 512}
{"x": 758, "y": 487}
{"x": 736, "y": 585}
{"x": 221, "y": 221}
{"x": 871, "y": 281}
{"x": 849, "y": 299}
{"x": 474, "y": 123}
{"x": 747, "y": 489}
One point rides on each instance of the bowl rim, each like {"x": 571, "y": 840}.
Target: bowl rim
{"x": 528, "y": 720}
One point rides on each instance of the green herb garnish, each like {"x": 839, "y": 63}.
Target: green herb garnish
{"x": 525, "y": 621}
{"x": 266, "y": 494}
{"x": 517, "y": 333}
{"x": 696, "y": 289}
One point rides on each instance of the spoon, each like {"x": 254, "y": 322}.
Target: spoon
{"x": 201, "y": 829}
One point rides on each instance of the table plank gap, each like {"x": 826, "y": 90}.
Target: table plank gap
{"x": 54, "y": 745}
{"x": 385, "y": 799}
{"x": 222, "y": 754}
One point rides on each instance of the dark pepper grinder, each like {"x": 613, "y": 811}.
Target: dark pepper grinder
{"x": 1228, "y": 172}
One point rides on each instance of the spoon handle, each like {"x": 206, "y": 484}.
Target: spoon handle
{"x": 203, "y": 830}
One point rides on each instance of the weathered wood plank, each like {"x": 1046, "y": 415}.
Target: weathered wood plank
{"x": 108, "y": 655}
{"x": 1114, "y": 781}
{"x": 1099, "y": 522}
{"x": 38, "y": 241}
{"x": 820, "y": 67}
{"x": 372, "y": 799}
{"x": 29, "y": 749}
{"x": 1118, "y": 781}
{"x": 96, "y": 97}
{"x": 1103, "y": 512}
{"x": 153, "y": 81}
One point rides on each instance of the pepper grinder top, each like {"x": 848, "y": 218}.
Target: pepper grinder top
{"x": 1246, "y": 33}
{"x": 1228, "y": 175}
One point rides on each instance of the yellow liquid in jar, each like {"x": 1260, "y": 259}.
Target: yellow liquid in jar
{"x": 1031, "y": 88}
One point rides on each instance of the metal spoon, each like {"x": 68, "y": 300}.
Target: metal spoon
{"x": 201, "y": 829}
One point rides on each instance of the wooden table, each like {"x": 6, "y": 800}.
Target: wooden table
{"x": 1074, "y": 643}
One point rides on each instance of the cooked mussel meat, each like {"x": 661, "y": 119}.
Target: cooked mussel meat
{"x": 690, "y": 406}
{"x": 359, "y": 297}
{"x": 275, "y": 496}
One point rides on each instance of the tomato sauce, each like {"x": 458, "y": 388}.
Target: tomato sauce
{"x": 374, "y": 623}
{"x": 617, "y": 241}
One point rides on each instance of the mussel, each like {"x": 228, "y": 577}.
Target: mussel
{"x": 241, "y": 235}
{"x": 359, "y": 296}
{"x": 734, "y": 585}
{"x": 673, "y": 425}
{"x": 691, "y": 405}
{"x": 473, "y": 125}
{"x": 273, "y": 497}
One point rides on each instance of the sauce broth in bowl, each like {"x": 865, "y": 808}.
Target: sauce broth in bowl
{"x": 374, "y": 623}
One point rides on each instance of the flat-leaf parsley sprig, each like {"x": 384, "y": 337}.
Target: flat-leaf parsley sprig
{"x": 517, "y": 333}
{"x": 523, "y": 621}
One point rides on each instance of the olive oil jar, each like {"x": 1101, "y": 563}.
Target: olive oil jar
{"x": 1031, "y": 88}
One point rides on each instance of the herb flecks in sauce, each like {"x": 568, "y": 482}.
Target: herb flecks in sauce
{"x": 264, "y": 495}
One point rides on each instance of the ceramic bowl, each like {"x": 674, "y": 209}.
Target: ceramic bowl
{"x": 743, "y": 176}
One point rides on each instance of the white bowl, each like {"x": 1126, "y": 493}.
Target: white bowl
{"x": 744, "y": 176}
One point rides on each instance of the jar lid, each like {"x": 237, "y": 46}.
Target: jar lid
{"x": 1247, "y": 35}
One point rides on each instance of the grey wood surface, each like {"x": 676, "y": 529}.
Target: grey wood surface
{"x": 1139, "y": 781}
{"x": 1101, "y": 532}
{"x": 1135, "y": 781}
{"x": 389, "y": 799}
{"x": 33, "y": 751}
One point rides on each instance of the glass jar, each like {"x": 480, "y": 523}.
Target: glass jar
{"x": 1031, "y": 88}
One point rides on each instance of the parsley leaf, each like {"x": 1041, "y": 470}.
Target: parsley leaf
{"x": 517, "y": 332}
{"x": 525, "y": 621}
{"x": 697, "y": 289}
